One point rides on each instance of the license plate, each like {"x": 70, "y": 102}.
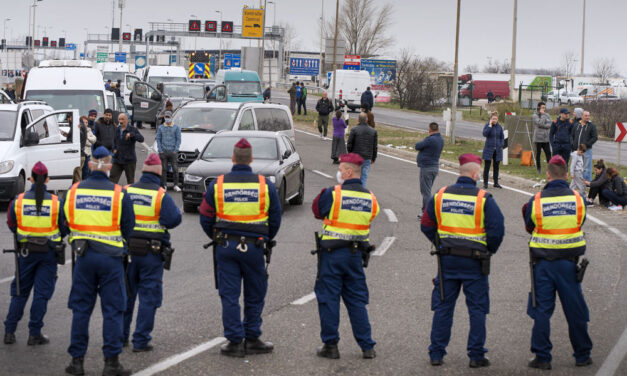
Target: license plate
{"x": 182, "y": 169}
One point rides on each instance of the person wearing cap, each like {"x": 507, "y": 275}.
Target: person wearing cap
{"x": 100, "y": 217}
{"x": 124, "y": 156}
{"x": 559, "y": 135}
{"x": 168, "y": 142}
{"x": 105, "y": 131}
{"x": 467, "y": 227}
{"x": 91, "y": 117}
{"x": 241, "y": 213}
{"x": 34, "y": 219}
{"x": 541, "y": 127}
{"x": 554, "y": 217}
{"x": 584, "y": 132}
{"x": 347, "y": 210}
{"x": 155, "y": 213}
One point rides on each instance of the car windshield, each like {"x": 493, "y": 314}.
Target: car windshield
{"x": 82, "y": 100}
{"x": 7, "y": 125}
{"x": 222, "y": 148}
{"x": 114, "y": 76}
{"x": 243, "y": 88}
{"x": 186, "y": 91}
{"x": 205, "y": 119}
{"x": 156, "y": 79}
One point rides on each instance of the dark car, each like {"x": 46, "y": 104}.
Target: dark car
{"x": 274, "y": 156}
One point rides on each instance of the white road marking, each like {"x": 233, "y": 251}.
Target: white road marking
{"x": 391, "y": 216}
{"x": 307, "y": 298}
{"x": 385, "y": 245}
{"x": 322, "y": 174}
{"x": 178, "y": 358}
{"x": 615, "y": 358}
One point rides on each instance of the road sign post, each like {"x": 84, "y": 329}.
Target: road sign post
{"x": 620, "y": 133}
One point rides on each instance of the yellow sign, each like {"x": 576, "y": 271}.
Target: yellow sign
{"x": 252, "y": 23}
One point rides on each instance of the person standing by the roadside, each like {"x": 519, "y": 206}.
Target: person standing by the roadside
{"x": 267, "y": 94}
{"x": 299, "y": 93}
{"x": 124, "y": 157}
{"x": 541, "y": 127}
{"x": 91, "y": 119}
{"x": 367, "y": 99}
{"x": 429, "y": 151}
{"x": 363, "y": 140}
{"x": 292, "y": 92}
{"x": 324, "y": 108}
{"x": 370, "y": 117}
{"x": 89, "y": 143}
{"x": 559, "y": 135}
{"x": 338, "y": 146}
{"x": 303, "y": 98}
{"x": 168, "y": 143}
{"x": 584, "y": 132}
{"x": 104, "y": 130}
{"x": 578, "y": 113}
{"x": 493, "y": 149}
{"x": 10, "y": 92}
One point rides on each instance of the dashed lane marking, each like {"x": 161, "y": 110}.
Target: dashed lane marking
{"x": 305, "y": 299}
{"x": 391, "y": 216}
{"x": 178, "y": 358}
{"x": 385, "y": 245}
{"x": 322, "y": 174}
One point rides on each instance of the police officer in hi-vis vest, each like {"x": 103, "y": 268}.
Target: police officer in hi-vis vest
{"x": 100, "y": 216}
{"x": 554, "y": 218}
{"x": 241, "y": 213}
{"x": 149, "y": 247}
{"x": 343, "y": 249}
{"x": 34, "y": 219}
{"x": 467, "y": 227}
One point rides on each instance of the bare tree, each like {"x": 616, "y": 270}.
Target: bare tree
{"x": 471, "y": 68}
{"x": 364, "y": 26}
{"x": 495, "y": 66}
{"x": 604, "y": 69}
{"x": 568, "y": 63}
{"x": 416, "y": 85}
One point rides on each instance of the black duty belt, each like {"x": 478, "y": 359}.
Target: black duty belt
{"x": 465, "y": 252}
{"x": 223, "y": 239}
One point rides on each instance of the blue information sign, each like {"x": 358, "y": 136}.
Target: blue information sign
{"x": 232, "y": 61}
{"x": 70, "y": 46}
{"x": 140, "y": 61}
{"x": 304, "y": 66}
{"x": 120, "y": 57}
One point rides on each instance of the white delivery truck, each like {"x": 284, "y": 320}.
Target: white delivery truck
{"x": 69, "y": 84}
{"x": 156, "y": 74}
{"x": 350, "y": 85}
{"x": 122, "y": 72}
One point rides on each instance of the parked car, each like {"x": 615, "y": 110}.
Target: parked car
{"x": 156, "y": 74}
{"x": 274, "y": 155}
{"x": 569, "y": 98}
{"x": 180, "y": 92}
{"x": 551, "y": 96}
{"x": 242, "y": 85}
{"x": 480, "y": 89}
{"x": 608, "y": 98}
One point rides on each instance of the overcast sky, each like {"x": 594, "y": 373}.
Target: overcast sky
{"x": 546, "y": 28}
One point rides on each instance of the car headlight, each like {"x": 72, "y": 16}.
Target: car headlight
{"x": 192, "y": 178}
{"x": 6, "y": 166}
{"x": 272, "y": 179}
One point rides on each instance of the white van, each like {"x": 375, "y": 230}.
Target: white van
{"x": 122, "y": 72}
{"x": 30, "y": 133}
{"x": 350, "y": 85}
{"x": 156, "y": 74}
{"x": 69, "y": 84}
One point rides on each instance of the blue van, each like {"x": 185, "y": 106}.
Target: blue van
{"x": 242, "y": 85}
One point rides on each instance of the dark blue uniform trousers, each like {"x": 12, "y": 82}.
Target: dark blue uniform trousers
{"x": 233, "y": 266}
{"x": 38, "y": 270}
{"x": 97, "y": 274}
{"x": 560, "y": 276}
{"x": 145, "y": 277}
{"x": 342, "y": 274}
{"x": 476, "y": 290}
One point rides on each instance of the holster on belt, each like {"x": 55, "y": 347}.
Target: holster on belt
{"x": 475, "y": 254}
{"x": 141, "y": 247}
{"x": 59, "y": 252}
{"x": 36, "y": 245}
{"x": 79, "y": 246}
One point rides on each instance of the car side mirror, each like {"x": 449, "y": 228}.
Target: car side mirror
{"x": 197, "y": 153}
{"x": 287, "y": 154}
{"x": 31, "y": 138}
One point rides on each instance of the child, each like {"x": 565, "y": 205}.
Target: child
{"x": 576, "y": 170}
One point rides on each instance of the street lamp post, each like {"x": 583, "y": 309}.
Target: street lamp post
{"x": 5, "y": 29}
{"x": 32, "y": 43}
{"x": 263, "y": 39}
{"x": 121, "y": 6}
{"x": 455, "y": 68}
{"x": 219, "y": 53}
{"x": 273, "y": 24}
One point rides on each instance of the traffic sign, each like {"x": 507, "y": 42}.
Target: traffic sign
{"x": 620, "y": 132}
{"x": 211, "y": 26}
{"x": 126, "y": 36}
{"x": 227, "y": 26}
{"x": 172, "y": 59}
{"x": 200, "y": 69}
{"x": 44, "y": 42}
{"x": 140, "y": 61}
{"x": 53, "y": 43}
{"x": 70, "y": 46}
{"x": 304, "y": 66}
{"x": 194, "y": 25}
{"x": 252, "y": 23}
{"x": 232, "y": 61}
{"x": 101, "y": 57}
{"x": 120, "y": 57}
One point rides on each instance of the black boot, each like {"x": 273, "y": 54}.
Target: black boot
{"x": 9, "y": 338}
{"x": 483, "y": 362}
{"x": 38, "y": 340}
{"x": 146, "y": 348}
{"x": 537, "y": 363}
{"x": 257, "y": 346}
{"x": 233, "y": 349}
{"x": 75, "y": 367}
{"x": 114, "y": 368}
{"x": 369, "y": 354}
{"x": 328, "y": 351}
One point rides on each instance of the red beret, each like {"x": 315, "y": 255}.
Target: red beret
{"x": 557, "y": 160}
{"x": 243, "y": 144}
{"x": 469, "y": 158}
{"x": 40, "y": 169}
{"x": 152, "y": 160}
{"x": 353, "y": 158}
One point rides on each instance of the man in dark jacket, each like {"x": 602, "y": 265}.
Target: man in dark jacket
{"x": 584, "y": 132}
{"x": 324, "y": 108}
{"x": 267, "y": 93}
{"x": 292, "y": 92}
{"x": 10, "y": 92}
{"x": 429, "y": 151}
{"x": 363, "y": 141}
{"x": 105, "y": 130}
{"x": 559, "y": 135}
{"x": 367, "y": 99}
{"x": 124, "y": 157}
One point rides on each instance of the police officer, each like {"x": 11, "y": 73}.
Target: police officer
{"x": 241, "y": 212}
{"x": 155, "y": 212}
{"x": 467, "y": 227}
{"x": 347, "y": 210}
{"x": 100, "y": 216}
{"x": 554, "y": 218}
{"x": 34, "y": 217}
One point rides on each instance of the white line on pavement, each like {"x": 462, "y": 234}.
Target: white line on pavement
{"x": 307, "y": 298}
{"x": 613, "y": 361}
{"x": 178, "y": 358}
{"x": 391, "y": 215}
{"x": 322, "y": 174}
{"x": 385, "y": 245}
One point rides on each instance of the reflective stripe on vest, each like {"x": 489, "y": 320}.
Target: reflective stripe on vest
{"x": 95, "y": 214}
{"x": 460, "y": 216}
{"x": 558, "y": 222}
{"x": 147, "y": 207}
{"x": 32, "y": 224}
{"x": 242, "y": 202}
{"x": 350, "y": 216}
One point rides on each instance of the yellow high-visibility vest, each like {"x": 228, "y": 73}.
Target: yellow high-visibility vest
{"x": 147, "y": 207}
{"x": 44, "y": 224}
{"x": 350, "y": 215}
{"x": 558, "y": 222}
{"x": 242, "y": 205}
{"x": 460, "y": 219}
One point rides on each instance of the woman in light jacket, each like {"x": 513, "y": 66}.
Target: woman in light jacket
{"x": 493, "y": 149}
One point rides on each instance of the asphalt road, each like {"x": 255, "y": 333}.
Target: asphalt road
{"x": 465, "y": 129}
{"x": 188, "y": 325}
